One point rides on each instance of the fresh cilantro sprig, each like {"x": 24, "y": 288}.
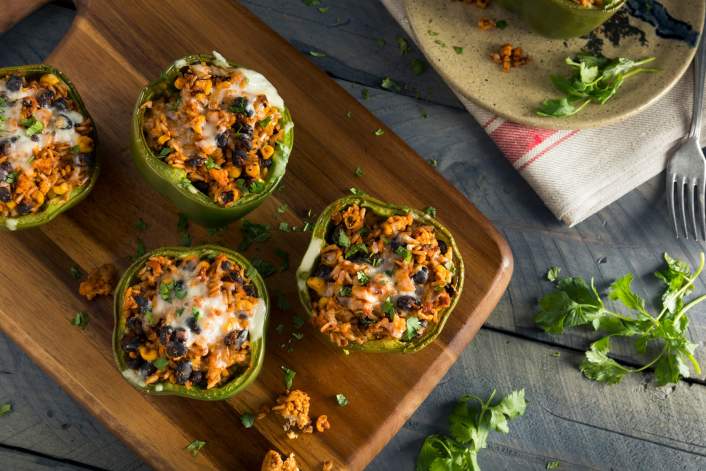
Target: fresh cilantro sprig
{"x": 471, "y": 422}
{"x": 594, "y": 79}
{"x": 576, "y": 303}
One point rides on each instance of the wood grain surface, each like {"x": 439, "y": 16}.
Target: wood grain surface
{"x": 626, "y": 427}
{"x": 109, "y": 53}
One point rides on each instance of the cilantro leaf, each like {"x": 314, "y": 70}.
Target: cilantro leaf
{"x": 247, "y": 419}
{"x": 80, "y": 320}
{"x": 599, "y": 367}
{"x": 195, "y": 446}
{"x": 413, "y": 325}
{"x": 252, "y": 233}
{"x": 288, "y": 377}
{"x": 5, "y": 409}
{"x": 342, "y": 400}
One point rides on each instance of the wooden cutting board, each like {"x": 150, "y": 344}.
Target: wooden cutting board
{"x": 111, "y": 51}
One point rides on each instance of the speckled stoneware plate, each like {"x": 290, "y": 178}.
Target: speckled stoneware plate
{"x": 443, "y": 26}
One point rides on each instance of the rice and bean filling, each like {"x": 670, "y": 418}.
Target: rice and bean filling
{"x": 45, "y": 143}
{"x": 221, "y": 126}
{"x": 380, "y": 278}
{"x": 190, "y": 321}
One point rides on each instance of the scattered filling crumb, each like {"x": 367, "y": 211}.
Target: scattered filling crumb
{"x": 219, "y": 125}
{"x": 99, "y": 282}
{"x": 293, "y": 407}
{"x": 509, "y": 56}
{"x": 486, "y": 24}
{"x": 322, "y": 423}
{"x": 273, "y": 462}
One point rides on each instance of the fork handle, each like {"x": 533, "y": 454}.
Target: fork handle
{"x": 699, "y": 82}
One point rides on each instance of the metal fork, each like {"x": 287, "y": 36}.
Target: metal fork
{"x": 686, "y": 172}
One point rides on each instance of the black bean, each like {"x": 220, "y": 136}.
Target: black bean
{"x": 24, "y": 207}
{"x": 180, "y": 335}
{"x": 265, "y": 163}
{"x": 245, "y": 130}
{"x": 421, "y": 276}
{"x": 83, "y": 160}
{"x": 240, "y": 158}
{"x": 235, "y": 277}
{"x": 5, "y": 193}
{"x": 26, "y": 103}
{"x": 176, "y": 349}
{"x": 182, "y": 371}
{"x": 323, "y": 271}
{"x": 134, "y": 363}
{"x": 227, "y": 196}
{"x": 63, "y": 122}
{"x": 250, "y": 290}
{"x": 166, "y": 332}
{"x": 61, "y": 104}
{"x": 394, "y": 243}
{"x": 443, "y": 247}
{"x": 193, "y": 325}
{"x": 5, "y": 169}
{"x": 44, "y": 98}
{"x": 201, "y": 185}
{"x": 134, "y": 323}
{"x": 130, "y": 343}
{"x": 226, "y": 265}
{"x": 4, "y": 146}
{"x": 143, "y": 304}
{"x": 407, "y": 303}
{"x": 195, "y": 161}
{"x": 147, "y": 369}
{"x": 450, "y": 289}
{"x": 198, "y": 379}
{"x": 236, "y": 338}
{"x": 35, "y": 137}
{"x": 14, "y": 83}
{"x": 241, "y": 105}
{"x": 230, "y": 337}
{"x": 222, "y": 139}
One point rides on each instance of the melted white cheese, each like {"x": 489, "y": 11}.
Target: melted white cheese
{"x": 307, "y": 264}
{"x": 134, "y": 377}
{"x": 22, "y": 147}
{"x": 257, "y": 84}
{"x": 215, "y": 320}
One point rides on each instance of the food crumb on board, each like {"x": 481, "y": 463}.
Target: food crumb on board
{"x": 486, "y": 24}
{"x": 99, "y": 282}
{"x": 273, "y": 462}
{"x": 322, "y": 423}
{"x": 509, "y": 56}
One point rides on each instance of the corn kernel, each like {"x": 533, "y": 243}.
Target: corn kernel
{"x": 11, "y": 204}
{"x": 317, "y": 284}
{"x": 234, "y": 172}
{"x": 147, "y": 354}
{"x": 61, "y": 189}
{"x": 197, "y": 124}
{"x": 163, "y": 138}
{"x": 267, "y": 151}
{"x": 179, "y": 83}
{"x": 39, "y": 197}
{"x": 85, "y": 144}
{"x": 48, "y": 80}
{"x": 252, "y": 169}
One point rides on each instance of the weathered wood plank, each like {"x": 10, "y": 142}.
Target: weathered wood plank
{"x": 585, "y": 426}
{"x": 18, "y": 461}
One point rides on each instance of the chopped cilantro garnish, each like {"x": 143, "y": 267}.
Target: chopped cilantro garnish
{"x": 210, "y": 164}
{"x": 419, "y": 66}
{"x": 364, "y": 93}
{"x": 458, "y": 50}
{"x": 349, "y": 115}
{"x": 433, "y": 162}
{"x": 317, "y": 54}
{"x": 389, "y": 84}
{"x": 403, "y": 45}
{"x": 501, "y": 24}
{"x": 430, "y": 211}
{"x": 379, "y": 132}
{"x": 355, "y": 249}
{"x": 342, "y": 238}
{"x": 264, "y": 122}
{"x": 256, "y": 187}
{"x": 195, "y": 446}
{"x": 413, "y": 325}
{"x": 298, "y": 335}
{"x": 388, "y": 308}
{"x": 11, "y": 177}
{"x": 75, "y": 149}
{"x": 357, "y": 191}
{"x": 160, "y": 363}
{"x": 80, "y": 319}
{"x": 247, "y": 419}
{"x": 164, "y": 152}
{"x": 345, "y": 291}
{"x": 342, "y": 400}
{"x": 363, "y": 278}
{"x": 288, "y": 377}
{"x": 404, "y": 252}
{"x": 284, "y": 226}
{"x": 196, "y": 313}
{"x": 279, "y": 329}
{"x": 282, "y": 208}
{"x": 180, "y": 311}
{"x": 358, "y": 172}
{"x": 76, "y": 272}
{"x": 252, "y": 233}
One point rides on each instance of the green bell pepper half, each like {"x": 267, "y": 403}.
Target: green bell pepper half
{"x": 560, "y": 19}
{"x": 53, "y": 208}
{"x": 382, "y": 209}
{"x": 173, "y": 182}
{"x": 257, "y": 348}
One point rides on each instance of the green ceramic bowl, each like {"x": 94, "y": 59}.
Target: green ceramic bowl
{"x": 560, "y": 18}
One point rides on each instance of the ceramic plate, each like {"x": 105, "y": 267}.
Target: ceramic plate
{"x": 442, "y": 27}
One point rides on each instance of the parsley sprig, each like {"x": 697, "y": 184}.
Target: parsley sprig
{"x": 594, "y": 79}
{"x": 576, "y": 303}
{"x": 471, "y": 422}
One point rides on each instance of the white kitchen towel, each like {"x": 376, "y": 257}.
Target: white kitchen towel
{"x": 577, "y": 173}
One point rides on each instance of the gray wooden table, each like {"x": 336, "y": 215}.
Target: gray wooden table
{"x": 583, "y": 425}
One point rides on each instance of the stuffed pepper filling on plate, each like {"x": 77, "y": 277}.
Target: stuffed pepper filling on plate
{"x": 380, "y": 277}
{"x": 219, "y": 124}
{"x": 190, "y": 320}
{"x": 46, "y": 144}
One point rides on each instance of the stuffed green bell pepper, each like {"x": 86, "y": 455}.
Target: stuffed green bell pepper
{"x": 563, "y": 18}
{"x": 190, "y": 322}
{"x": 212, "y": 137}
{"x": 379, "y": 277}
{"x": 47, "y": 146}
